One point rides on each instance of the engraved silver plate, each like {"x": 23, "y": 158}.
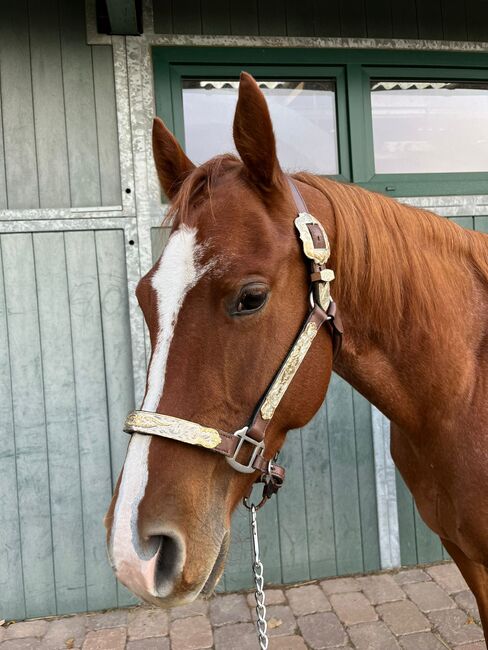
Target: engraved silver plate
{"x": 319, "y": 255}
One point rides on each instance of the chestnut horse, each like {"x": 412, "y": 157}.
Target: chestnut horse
{"x": 412, "y": 289}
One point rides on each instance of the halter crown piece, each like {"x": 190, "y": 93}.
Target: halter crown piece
{"x": 251, "y": 439}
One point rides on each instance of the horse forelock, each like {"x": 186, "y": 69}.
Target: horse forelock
{"x": 390, "y": 258}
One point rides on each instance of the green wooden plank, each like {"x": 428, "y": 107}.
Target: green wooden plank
{"x": 292, "y": 503}
{"x": 406, "y": 522}
{"x": 353, "y": 18}
{"x": 429, "y": 17}
{"x": 108, "y": 146}
{"x": 238, "y": 573}
{"x": 269, "y": 543}
{"x": 454, "y": 20}
{"x": 91, "y": 402}
{"x": 465, "y": 222}
{"x": 481, "y": 224}
{"x": 17, "y": 113}
{"x": 47, "y": 87}
{"x": 404, "y": 19}
{"x": 62, "y": 432}
{"x": 215, "y": 17}
{"x": 187, "y": 17}
{"x": 30, "y": 426}
{"x": 79, "y": 99}
{"x": 300, "y": 18}
{"x": 123, "y": 16}
{"x": 429, "y": 547}
{"x": 367, "y": 482}
{"x": 327, "y": 18}
{"x": 379, "y": 18}
{"x": 271, "y": 18}
{"x": 11, "y": 575}
{"x": 342, "y": 449}
{"x": 163, "y": 17}
{"x": 112, "y": 279}
{"x": 243, "y": 18}
{"x": 159, "y": 239}
{"x": 320, "y": 512}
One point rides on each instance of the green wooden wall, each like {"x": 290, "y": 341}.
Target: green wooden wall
{"x": 430, "y": 19}
{"x": 58, "y": 124}
{"x": 66, "y": 385}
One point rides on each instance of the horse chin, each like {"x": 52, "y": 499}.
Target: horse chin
{"x": 217, "y": 569}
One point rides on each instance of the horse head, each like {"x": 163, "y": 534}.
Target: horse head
{"x": 223, "y": 306}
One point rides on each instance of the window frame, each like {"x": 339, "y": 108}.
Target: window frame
{"x": 352, "y": 71}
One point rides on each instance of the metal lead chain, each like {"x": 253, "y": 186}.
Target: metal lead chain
{"x": 257, "y": 567}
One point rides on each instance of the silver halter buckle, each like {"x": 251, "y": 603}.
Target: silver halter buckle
{"x": 257, "y": 451}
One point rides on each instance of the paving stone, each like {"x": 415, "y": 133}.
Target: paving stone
{"x": 403, "y": 617}
{"x": 372, "y": 636}
{"x": 230, "y": 608}
{"x": 26, "y": 629}
{"x": 353, "y": 608}
{"x": 61, "y": 630}
{"x": 273, "y": 597}
{"x": 307, "y": 599}
{"x": 448, "y": 577}
{"x": 111, "y": 638}
{"x": 480, "y": 645}
{"x": 193, "y": 633}
{"x": 455, "y": 627}
{"x": 340, "y": 585}
{"x": 241, "y": 636}
{"x": 199, "y": 606}
{"x": 22, "y": 644}
{"x": 467, "y": 601}
{"x": 2, "y": 632}
{"x": 322, "y": 630}
{"x": 411, "y": 575}
{"x": 281, "y": 621}
{"x": 428, "y": 596}
{"x": 421, "y": 641}
{"x": 287, "y": 643}
{"x": 145, "y": 622}
{"x": 113, "y": 618}
{"x": 149, "y": 644}
{"x": 380, "y": 589}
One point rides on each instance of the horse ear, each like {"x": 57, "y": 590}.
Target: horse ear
{"x": 253, "y": 134}
{"x": 172, "y": 164}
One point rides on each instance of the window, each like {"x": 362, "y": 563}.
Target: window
{"x": 429, "y": 126}
{"x": 401, "y": 123}
{"x": 303, "y": 114}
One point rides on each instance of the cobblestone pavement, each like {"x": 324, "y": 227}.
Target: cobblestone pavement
{"x": 427, "y": 608}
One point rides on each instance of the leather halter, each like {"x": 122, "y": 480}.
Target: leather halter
{"x": 323, "y": 312}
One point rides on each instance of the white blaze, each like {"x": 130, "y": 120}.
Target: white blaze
{"x": 177, "y": 272}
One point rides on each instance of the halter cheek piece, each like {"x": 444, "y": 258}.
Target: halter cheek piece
{"x": 322, "y": 312}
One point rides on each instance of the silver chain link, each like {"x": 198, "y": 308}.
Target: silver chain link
{"x": 257, "y": 567}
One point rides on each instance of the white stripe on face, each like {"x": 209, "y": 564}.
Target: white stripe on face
{"x": 177, "y": 272}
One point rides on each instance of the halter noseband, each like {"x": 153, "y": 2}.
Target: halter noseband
{"x": 323, "y": 311}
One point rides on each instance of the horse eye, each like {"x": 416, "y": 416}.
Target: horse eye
{"x": 251, "y": 298}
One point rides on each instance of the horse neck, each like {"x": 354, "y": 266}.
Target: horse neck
{"x": 413, "y": 332}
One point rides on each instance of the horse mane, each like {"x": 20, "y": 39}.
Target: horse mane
{"x": 385, "y": 261}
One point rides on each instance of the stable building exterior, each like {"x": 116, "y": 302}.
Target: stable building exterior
{"x": 348, "y": 83}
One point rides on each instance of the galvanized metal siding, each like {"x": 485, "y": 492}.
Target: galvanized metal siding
{"x": 59, "y": 145}
{"x": 430, "y": 19}
{"x": 66, "y": 379}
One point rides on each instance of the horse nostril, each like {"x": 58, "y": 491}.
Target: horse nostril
{"x": 170, "y": 555}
